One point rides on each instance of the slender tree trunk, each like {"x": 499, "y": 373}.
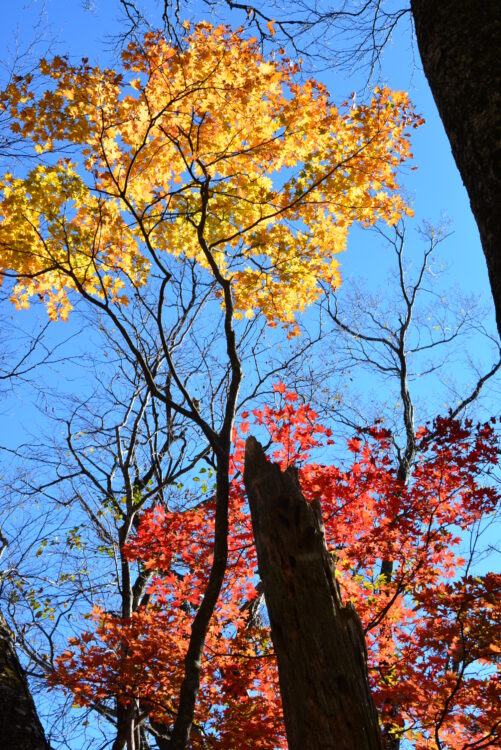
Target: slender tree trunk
{"x": 320, "y": 645}
{"x": 460, "y": 46}
{"x": 20, "y": 727}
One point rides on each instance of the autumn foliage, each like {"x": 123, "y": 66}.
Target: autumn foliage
{"x": 209, "y": 157}
{"x": 209, "y": 152}
{"x": 433, "y": 630}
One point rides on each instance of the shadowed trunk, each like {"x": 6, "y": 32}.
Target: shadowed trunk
{"x": 20, "y": 727}
{"x": 460, "y": 46}
{"x": 319, "y": 644}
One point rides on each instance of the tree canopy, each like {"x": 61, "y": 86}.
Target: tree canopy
{"x": 183, "y": 205}
{"x": 207, "y": 152}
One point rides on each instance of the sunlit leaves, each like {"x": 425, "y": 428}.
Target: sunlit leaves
{"x": 208, "y": 152}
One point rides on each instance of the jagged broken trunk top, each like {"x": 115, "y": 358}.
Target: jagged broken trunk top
{"x": 319, "y": 644}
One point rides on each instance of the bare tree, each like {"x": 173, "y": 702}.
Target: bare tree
{"x": 120, "y": 452}
{"x": 386, "y": 339}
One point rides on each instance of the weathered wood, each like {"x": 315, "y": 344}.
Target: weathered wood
{"x": 460, "y": 46}
{"x": 20, "y": 727}
{"x": 319, "y": 644}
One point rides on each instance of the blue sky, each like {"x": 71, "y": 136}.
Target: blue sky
{"x": 434, "y": 189}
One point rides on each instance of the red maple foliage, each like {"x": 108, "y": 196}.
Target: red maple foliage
{"x": 433, "y": 630}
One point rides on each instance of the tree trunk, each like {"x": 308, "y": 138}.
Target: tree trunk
{"x": 320, "y": 645}
{"x": 460, "y": 46}
{"x": 20, "y": 727}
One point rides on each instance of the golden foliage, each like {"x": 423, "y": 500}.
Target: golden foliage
{"x": 209, "y": 152}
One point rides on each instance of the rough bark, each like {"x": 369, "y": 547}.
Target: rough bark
{"x": 460, "y": 46}
{"x": 319, "y": 644}
{"x": 20, "y": 727}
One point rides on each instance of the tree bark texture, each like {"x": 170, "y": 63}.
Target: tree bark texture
{"x": 460, "y": 46}
{"x": 20, "y": 727}
{"x": 320, "y": 644}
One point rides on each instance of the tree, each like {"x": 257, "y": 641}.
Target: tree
{"x": 319, "y": 643}
{"x": 458, "y": 44}
{"x": 387, "y": 341}
{"x": 169, "y": 189}
{"x": 432, "y": 630}
{"x": 20, "y": 727}
{"x": 120, "y": 454}
{"x": 110, "y": 466}
{"x": 214, "y": 175}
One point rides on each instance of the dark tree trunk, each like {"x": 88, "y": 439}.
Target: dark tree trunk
{"x": 460, "y": 46}
{"x": 20, "y": 727}
{"x": 319, "y": 644}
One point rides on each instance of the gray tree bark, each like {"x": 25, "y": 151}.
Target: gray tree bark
{"x": 460, "y": 46}
{"x": 20, "y": 727}
{"x": 320, "y": 644}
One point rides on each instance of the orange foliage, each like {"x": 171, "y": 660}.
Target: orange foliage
{"x": 433, "y": 631}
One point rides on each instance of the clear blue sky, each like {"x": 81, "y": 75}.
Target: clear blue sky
{"x": 435, "y": 188}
